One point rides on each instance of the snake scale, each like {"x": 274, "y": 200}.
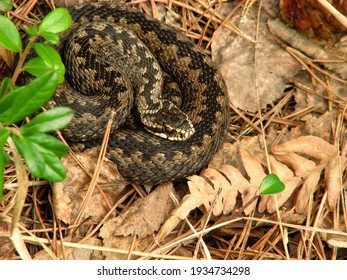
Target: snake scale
{"x": 140, "y": 154}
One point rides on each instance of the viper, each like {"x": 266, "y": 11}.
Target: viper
{"x": 169, "y": 100}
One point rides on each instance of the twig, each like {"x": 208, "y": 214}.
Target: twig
{"x": 340, "y": 17}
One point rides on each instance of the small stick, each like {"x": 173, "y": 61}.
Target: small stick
{"x": 340, "y": 17}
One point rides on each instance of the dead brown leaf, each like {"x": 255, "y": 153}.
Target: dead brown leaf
{"x": 296, "y": 162}
{"x": 136, "y": 226}
{"x": 333, "y": 178}
{"x": 7, "y": 56}
{"x": 69, "y": 194}
{"x": 325, "y": 156}
{"x": 7, "y": 250}
{"x": 337, "y": 241}
{"x": 267, "y": 72}
{"x": 310, "y": 145}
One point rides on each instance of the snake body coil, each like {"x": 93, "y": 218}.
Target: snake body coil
{"x": 141, "y": 156}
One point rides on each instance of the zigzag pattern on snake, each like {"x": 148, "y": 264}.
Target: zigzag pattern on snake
{"x": 141, "y": 156}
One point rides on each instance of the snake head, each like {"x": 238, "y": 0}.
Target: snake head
{"x": 170, "y": 123}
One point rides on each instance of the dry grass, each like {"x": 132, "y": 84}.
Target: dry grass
{"x": 199, "y": 236}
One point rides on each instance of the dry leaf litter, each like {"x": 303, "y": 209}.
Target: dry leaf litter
{"x": 298, "y": 83}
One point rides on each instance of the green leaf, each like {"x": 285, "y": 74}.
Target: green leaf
{"x": 41, "y": 161}
{"x": 271, "y": 184}
{"x": 57, "y": 21}
{"x": 36, "y": 67}
{"x": 48, "y": 59}
{"x": 54, "y": 169}
{"x": 32, "y": 30}
{"x": 6, "y": 104}
{"x": 5, "y": 157}
{"x": 5, "y": 86}
{"x": 24, "y": 101}
{"x": 31, "y": 155}
{"x": 5, "y": 6}
{"x": 51, "y": 58}
{"x": 7, "y": 100}
{"x": 50, "y": 143}
{"x": 51, "y": 37}
{"x": 4, "y": 133}
{"x": 3, "y": 161}
{"x": 49, "y": 121}
{"x": 9, "y": 35}
{"x": 2, "y": 167}
{"x": 49, "y": 55}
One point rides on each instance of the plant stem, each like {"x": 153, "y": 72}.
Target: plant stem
{"x": 23, "y": 184}
{"x": 22, "y": 58}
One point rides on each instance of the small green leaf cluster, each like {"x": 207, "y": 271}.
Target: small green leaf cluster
{"x": 40, "y": 150}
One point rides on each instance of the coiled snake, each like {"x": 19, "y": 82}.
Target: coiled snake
{"x": 194, "y": 131}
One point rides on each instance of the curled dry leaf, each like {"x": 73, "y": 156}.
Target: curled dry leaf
{"x": 143, "y": 218}
{"x": 7, "y": 250}
{"x": 301, "y": 165}
{"x": 252, "y": 166}
{"x": 326, "y": 158}
{"x": 208, "y": 190}
{"x": 247, "y": 188}
{"x": 339, "y": 237}
{"x": 333, "y": 175}
{"x": 188, "y": 203}
{"x": 145, "y": 215}
{"x": 337, "y": 241}
{"x": 310, "y": 145}
{"x": 203, "y": 191}
{"x": 7, "y": 56}
{"x": 308, "y": 187}
{"x": 69, "y": 194}
{"x": 298, "y": 163}
{"x": 231, "y": 181}
{"x": 204, "y": 187}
